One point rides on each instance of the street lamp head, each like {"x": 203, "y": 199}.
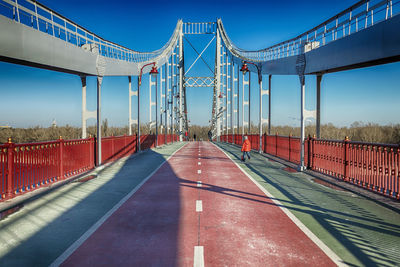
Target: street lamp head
{"x": 154, "y": 71}
{"x": 244, "y": 68}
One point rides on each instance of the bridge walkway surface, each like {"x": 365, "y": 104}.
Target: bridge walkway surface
{"x": 201, "y": 207}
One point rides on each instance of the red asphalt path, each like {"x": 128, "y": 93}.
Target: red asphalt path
{"x": 159, "y": 224}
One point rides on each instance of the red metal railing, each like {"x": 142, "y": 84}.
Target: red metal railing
{"x": 25, "y": 167}
{"x": 113, "y": 148}
{"x": 373, "y": 166}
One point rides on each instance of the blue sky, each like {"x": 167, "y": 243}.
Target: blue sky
{"x": 33, "y": 97}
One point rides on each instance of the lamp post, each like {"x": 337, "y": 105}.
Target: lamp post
{"x": 153, "y": 72}
{"x": 244, "y": 70}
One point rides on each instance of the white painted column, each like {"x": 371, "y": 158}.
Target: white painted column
{"x": 83, "y": 80}
{"x": 226, "y": 92}
{"x": 243, "y": 103}
{"x": 232, "y": 98}
{"x": 156, "y": 84}
{"x": 318, "y": 117}
{"x": 99, "y": 81}
{"x": 130, "y": 105}
{"x": 269, "y": 103}
{"x": 180, "y": 85}
{"x": 166, "y": 92}
{"x": 249, "y": 124}
{"x": 131, "y": 94}
{"x": 218, "y": 82}
{"x": 246, "y": 103}
{"x": 238, "y": 97}
{"x": 260, "y": 126}
{"x": 302, "y": 123}
{"x": 138, "y": 114}
{"x": 173, "y": 77}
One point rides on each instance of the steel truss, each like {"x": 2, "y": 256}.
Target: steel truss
{"x": 199, "y": 81}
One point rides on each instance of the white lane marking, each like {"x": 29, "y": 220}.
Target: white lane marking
{"x": 199, "y": 206}
{"x": 332, "y": 255}
{"x": 91, "y": 230}
{"x": 198, "y": 171}
{"x": 198, "y": 183}
{"x": 198, "y": 256}
{"x": 198, "y": 163}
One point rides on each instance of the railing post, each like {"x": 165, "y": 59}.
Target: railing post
{"x": 264, "y": 143}
{"x": 312, "y": 152}
{"x": 276, "y": 144}
{"x": 309, "y": 148}
{"x": 136, "y": 141}
{"x": 61, "y": 156}
{"x": 397, "y": 162}
{"x": 10, "y": 193}
{"x": 91, "y": 151}
{"x": 290, "y": 137}
{"x": 346, "y": 158}
{"x": 112, "y": 148}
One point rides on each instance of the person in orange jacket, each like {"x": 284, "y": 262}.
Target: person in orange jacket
{"x": 246, "y": 147}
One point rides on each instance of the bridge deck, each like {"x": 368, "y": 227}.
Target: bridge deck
{"x": 105, "y": 221}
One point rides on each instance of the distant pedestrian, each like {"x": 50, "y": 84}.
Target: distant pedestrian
{"x": 194, "y": 137}
{"x": 246, "y": 147}
{"x": 209, "y": 136}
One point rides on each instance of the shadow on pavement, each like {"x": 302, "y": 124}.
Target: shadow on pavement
{"x": 372, "y": 236}
{"x": 55, "y": 221}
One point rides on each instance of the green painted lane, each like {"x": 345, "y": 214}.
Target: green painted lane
{"x": 359, "y": 230}
{"x": 44, "y": 228}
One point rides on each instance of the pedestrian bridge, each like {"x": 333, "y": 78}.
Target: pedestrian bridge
{"x": 160, "y": 200}
{"x": 197, "y": 204}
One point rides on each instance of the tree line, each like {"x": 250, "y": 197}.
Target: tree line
{"x": 358, "y": 131}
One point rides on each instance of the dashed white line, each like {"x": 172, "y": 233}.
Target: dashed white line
{"x": 332, "y": 255}
{"x": 198, "y": 163}
{"x": 198, "y": 256}
{"x": 198, "y": 183}
{"x": 199, "y": 206}
{"x": 198, "y": 171}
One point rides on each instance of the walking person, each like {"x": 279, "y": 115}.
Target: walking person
{"x": 246, "y": 147}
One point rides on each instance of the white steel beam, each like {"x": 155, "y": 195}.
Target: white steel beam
{"x": 269, "y": 103}
{"x": 99, "y": 81}
{"x": 86, "y": 114}
{"x": 218, "y": 81}
{"x": 318, "y": 115}
{"x": 262, "y": 92}
{"x": 226, "y": 91}
{"x": 180, "y": 84}
{"x": 302, "y": 167}
{"x": 138, "y": 116}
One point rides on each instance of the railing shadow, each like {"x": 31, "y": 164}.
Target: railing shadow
{"x": 363, "y": 232}
{"x": 63, "y": 216}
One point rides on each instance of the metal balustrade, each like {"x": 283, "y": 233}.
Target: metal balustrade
{"x": 375, "y": 167}
{"x": 26, "y": 167}
{"x": 359, "y": 16}
{"x": 44, "y": 19}
{"x": 199, "y": 28}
